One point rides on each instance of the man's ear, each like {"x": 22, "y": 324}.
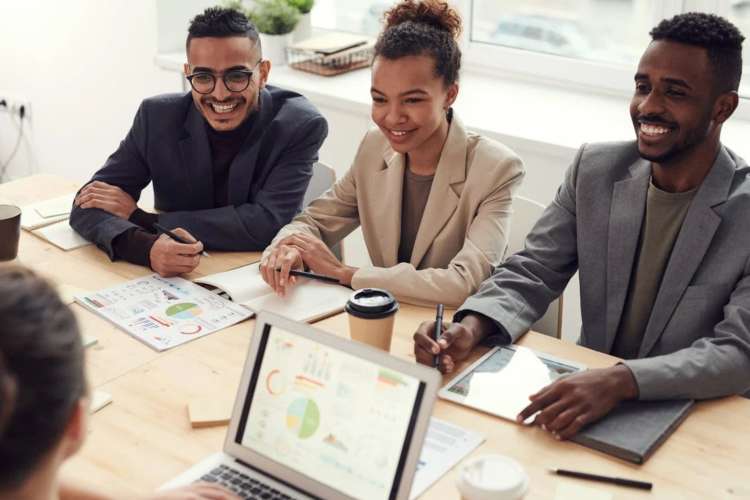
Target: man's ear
{"x": 76, "y": 429}
{"x": 186, "y": 69}
{"x": 265, "y": 68}
{"x": 725, "y": 106}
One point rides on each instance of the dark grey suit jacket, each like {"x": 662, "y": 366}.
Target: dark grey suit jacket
{"x": 168, "y": 145}
{"x": 697, "y": 341}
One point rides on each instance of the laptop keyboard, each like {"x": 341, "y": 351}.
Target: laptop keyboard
{"x": 243, "y": 485}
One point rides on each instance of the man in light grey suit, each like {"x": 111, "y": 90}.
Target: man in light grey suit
{"x": 658, "y": 230}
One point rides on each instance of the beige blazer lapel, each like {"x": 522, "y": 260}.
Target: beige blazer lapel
{"x": 444, "y": 196}
{"x": 626, "y": 216}
{"x": 388, "y": 183}
{"x": 690, "y": 247}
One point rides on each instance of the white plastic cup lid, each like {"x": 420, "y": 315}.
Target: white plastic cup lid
{"x": 492, "y": 477}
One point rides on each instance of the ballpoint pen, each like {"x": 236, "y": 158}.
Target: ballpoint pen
{"x": 437, "y": 332}
{"x": 307, "y": 274}
{"x": 604, "y": 479}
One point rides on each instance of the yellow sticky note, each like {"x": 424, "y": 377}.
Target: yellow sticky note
{"x": 572, "y": 491}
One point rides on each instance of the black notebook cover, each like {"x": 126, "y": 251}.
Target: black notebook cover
{"x": 634, "y": 429}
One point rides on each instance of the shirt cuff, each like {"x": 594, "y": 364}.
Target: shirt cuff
{"x": 134, "y": 245}
{"x": 144, "y": 219}
{"x": 499, "y": 337}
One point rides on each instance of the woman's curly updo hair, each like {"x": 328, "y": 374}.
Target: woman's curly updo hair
{"x": 423, "y": 27}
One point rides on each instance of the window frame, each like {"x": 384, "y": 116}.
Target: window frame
{"x": 578, "y": 75}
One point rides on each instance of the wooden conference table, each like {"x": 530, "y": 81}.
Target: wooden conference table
{"x": 144, "y": 437}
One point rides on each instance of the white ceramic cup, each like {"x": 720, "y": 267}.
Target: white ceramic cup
{"x": 492, "y": 477}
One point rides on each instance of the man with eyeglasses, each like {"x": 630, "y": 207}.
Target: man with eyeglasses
{"x": 230, "y": 161}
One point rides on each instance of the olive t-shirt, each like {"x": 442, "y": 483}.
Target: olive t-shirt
{"x": 665, "y": 213}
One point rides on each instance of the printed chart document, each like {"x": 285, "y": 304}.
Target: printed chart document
{"x": 308, "y": 300}
{"x": 163, "y": 312}
{"x": 62, "y": 235}
{"x": 445, "y": 446}
{"x": 46, "y": 212}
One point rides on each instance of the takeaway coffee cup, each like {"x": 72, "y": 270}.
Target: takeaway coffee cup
{"x": 492, "y": 477}
{"x": 10, "y": 231}
{"x": 371, "y": 313}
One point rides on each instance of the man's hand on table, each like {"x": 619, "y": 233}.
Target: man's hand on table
{"x": 106, "y": 197}
{"x": 455, "y": 343}
{"x": 170, "y": 258}
{"x": 571, "y": 402}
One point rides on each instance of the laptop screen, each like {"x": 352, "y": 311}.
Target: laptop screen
{"x": 339, "y": 419}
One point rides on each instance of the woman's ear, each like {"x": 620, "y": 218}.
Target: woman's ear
{"x": 450, "y": 95}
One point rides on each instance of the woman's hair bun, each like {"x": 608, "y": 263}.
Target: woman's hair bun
{"x": 436, "y": 13}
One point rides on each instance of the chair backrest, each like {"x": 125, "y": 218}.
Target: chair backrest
{"x": 322, "y": 179}
{"x": 525, "y": 214}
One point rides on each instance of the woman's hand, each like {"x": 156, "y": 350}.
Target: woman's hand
{"x": 276, "y": 264}
{"x": 319, "y": 258}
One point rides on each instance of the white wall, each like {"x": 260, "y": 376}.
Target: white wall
{"x": 84, "y": 65}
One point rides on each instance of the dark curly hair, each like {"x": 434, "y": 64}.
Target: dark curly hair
{"x": 221, "y": 22}
{"x": 423, "y": 27}
{"x": 43, "y": 375}
{"x": 721, "y": 39}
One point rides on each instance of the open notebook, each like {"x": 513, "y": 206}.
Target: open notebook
{"x": 308, "y": 300}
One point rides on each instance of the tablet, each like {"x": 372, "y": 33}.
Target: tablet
{"x": 501, "y": 381}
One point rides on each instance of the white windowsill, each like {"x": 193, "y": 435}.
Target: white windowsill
{"x": 545, "y": 118}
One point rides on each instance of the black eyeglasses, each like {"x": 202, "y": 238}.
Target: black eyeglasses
{"x": 235, "y": 80}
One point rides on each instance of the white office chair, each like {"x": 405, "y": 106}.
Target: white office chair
{"x": 525, "y": 214}
{"x": 323, "y": 178}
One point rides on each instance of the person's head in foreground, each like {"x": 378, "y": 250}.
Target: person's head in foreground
{"x": 415, "y": 77}
{"x": 225, "y": 67}
{"x": 44, "y": 399}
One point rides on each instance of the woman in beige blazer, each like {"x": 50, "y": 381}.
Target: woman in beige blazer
{"x": 433, "y": 200}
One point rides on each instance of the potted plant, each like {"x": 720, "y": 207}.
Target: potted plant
{"x": 275, "y": 21}
{"x": 303, "y": 30}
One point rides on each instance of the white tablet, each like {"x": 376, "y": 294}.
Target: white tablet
{"x": 501, "y": 381}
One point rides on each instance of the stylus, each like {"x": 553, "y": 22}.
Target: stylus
{"x": 605, "y": 479}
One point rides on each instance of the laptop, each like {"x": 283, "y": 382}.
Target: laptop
{"x": 321, "y": 416}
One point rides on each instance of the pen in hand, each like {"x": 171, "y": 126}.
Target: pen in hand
{"x": 438, "y": 331}
{"x": 178, "y": 239}
{"x": 306, "y": 274}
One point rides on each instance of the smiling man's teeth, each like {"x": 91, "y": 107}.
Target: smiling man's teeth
{"x": 653, "y": 129}
{"x": 222, "y": 108}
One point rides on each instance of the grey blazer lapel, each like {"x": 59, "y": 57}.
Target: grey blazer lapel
{"x": 625, "y": 219}
{"x": 690, "y": 247}
{"x": 196, "y": 156}
{"x": 245, "y": 163}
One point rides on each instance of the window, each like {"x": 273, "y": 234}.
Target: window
{"x": 603, "y": 30}
{"x": 590, "y": 44}
{"x": 738, "y": 12}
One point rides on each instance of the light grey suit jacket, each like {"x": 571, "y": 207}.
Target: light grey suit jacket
{"x": 697, "y": 341}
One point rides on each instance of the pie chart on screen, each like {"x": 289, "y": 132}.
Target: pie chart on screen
{"x": 303, "y": 417}
{"x": 185, "y": 310}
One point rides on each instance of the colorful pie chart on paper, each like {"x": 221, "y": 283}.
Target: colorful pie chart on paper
{"x": 303, "y": 418}
{"x": 185, "y": 310}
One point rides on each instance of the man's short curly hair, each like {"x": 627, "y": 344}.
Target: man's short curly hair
{"x": 221, "y": 22}
{"x": 721, "y": 39}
